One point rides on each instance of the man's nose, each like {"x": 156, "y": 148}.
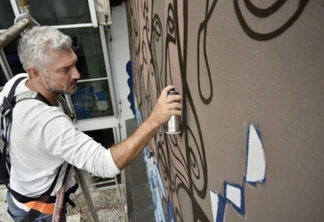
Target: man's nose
{"x": 75, "y": 73}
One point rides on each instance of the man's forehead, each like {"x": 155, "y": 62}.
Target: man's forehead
{"x": 66, "y": 57}
{"x": 59, "y": 53}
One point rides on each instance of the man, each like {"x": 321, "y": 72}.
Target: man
{"x": 43, "y": 138}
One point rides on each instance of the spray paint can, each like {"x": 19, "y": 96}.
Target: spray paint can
{"x": 173, "y": 126}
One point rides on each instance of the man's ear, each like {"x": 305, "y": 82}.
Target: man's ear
{"x": 34, "y": 73}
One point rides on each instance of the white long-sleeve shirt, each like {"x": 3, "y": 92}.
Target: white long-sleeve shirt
{"x": 42, "y": 138}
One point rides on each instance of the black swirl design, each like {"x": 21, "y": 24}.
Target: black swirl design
{"x": 203, "y": 31}
{"x": 159, "y": 53}
{"x": 262, "y": 13}
{"x": 180, "y": 169}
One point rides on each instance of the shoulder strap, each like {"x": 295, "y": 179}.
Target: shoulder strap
{"x": 6, "y": 112}
{"x": 13, "y": 88}
{"x": 9, "y": 103}
{"x": 66, "y": 108}
{"x": 30, "y": 95}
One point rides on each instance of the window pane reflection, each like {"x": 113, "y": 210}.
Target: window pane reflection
{"x": 3, "y": 78}
{"x": 12, "y": 56}
{"x": 92, "y": 99}
{"x": 88, "y": 48}
{"x": 60, "y": 12}
{"x": 7, "y": 16}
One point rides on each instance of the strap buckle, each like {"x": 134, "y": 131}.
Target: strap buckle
{"x": 6, "y": 107}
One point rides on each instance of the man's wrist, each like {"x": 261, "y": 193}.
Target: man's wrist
{"x": 152, "y": 123}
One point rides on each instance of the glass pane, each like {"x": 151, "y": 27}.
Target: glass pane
{"x": 105, "y": 137}
{"x": 7, "y": 15}
{"x": 12, "y": 56}
{"x": 3, "y": 78}
{"x": 88, "y": 48}
{"x": 59, "y": 12}
{"x": 92, "y": 99}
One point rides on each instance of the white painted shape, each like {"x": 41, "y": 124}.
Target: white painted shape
{"x": 256, "y": 161}
{"x": 159, "y": 180}
{"x": 214, "y": 203}
{"x": 233, "y": 194}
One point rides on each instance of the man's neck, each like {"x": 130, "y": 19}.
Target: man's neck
{"x": 36, "y": 87}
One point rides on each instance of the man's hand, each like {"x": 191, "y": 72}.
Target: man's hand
{"x": 165, "y": 107}
{"x": 127, "y": 150}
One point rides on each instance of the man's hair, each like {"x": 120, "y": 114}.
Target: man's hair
{"x": 35, "y": 45}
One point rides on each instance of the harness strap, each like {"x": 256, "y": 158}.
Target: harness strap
{"x": 13, "y": 100}
{"x": 45, "y": 208}
{"x": 6, "y": 111}
{"x": 44, "y": 203}
{"x": 31, "y": 216}
{"x": 48, "y": 208}
{"x": 68, "y": 193}
{"x": 30, "y": 95}
{"x": 45, "y": 197}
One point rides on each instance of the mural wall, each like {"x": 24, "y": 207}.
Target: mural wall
{"x": 251, "y": 75}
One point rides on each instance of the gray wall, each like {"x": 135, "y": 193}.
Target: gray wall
{"x": 238, "y": 64}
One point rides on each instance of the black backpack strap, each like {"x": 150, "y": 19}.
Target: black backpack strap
{"x": 40, "y": 97}
{"x": 6, "y": 112}
{"x": 66, "y": 108}
{"x": 67, "y": 194}
{"x": 31, "y": 216}
{"x": 9, "y": 103}
{"x": 12, "y": 91}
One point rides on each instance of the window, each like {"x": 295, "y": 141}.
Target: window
{"x": 95, "y": 93}
{"x": 12, "y": 57}
{"x": 3, "y": 78}
{"x": 92, "y": 99}
{"x": 7, "y": 16}
{"x": 88, "y": 48}
{"x": 60, "y": 12}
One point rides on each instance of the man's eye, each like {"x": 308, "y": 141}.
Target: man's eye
{"x": 64, "y": 70}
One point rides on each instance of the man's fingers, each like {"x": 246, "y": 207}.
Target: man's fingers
{"x": 165, "y": 91}
{"x": 176, "y": 112}
{"x": 177, "y": 106}
{"x": 174, "y": 98}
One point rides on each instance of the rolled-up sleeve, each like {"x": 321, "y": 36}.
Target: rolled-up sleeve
{"x": 63, "y": 140}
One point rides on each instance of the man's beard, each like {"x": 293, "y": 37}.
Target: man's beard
{"x": 56, "y": 91}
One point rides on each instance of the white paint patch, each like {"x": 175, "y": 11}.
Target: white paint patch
{"x": 214, "y": 203}
{"x": 256, "y": 167}
{"x": 234, "y": 195}
{"x": 159, "y": 180}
